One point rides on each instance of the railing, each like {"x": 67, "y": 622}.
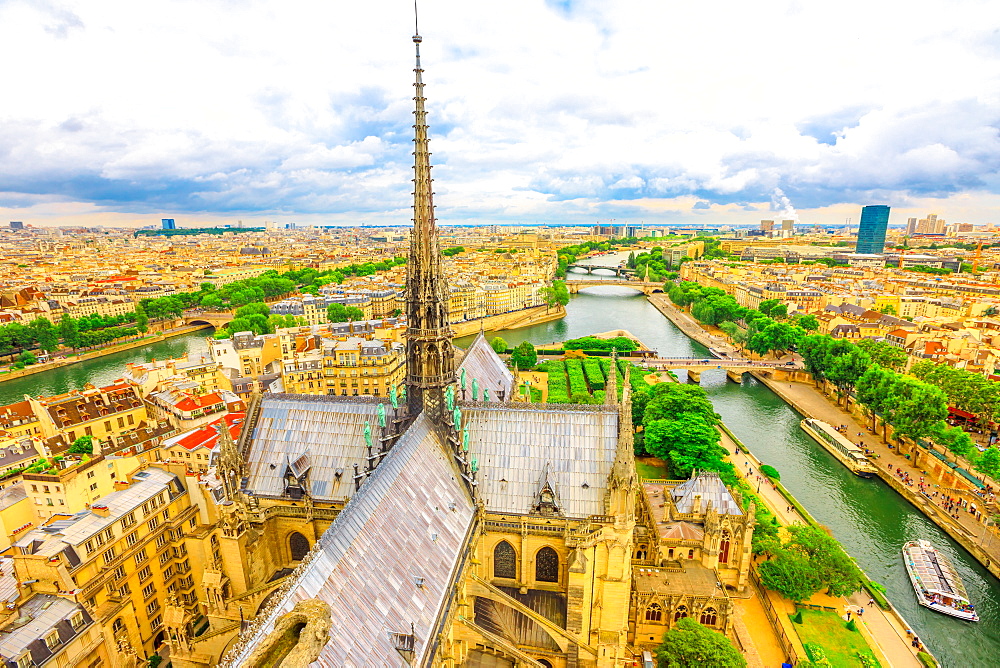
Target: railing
{"x": 259, "y": 588}
{"x": 772, "y": 617}
{"x": 217, "y": 632}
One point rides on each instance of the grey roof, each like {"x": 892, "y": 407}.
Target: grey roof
{"x": 365, "y": 566}
{"x": 52, "y": 538}
{"x": 42, "y": 614}
{"x": 330, "y": 429}
{"x": 710, "y": 488}
{"x": 482, "y": 363}
{"x": 515, "y": 444}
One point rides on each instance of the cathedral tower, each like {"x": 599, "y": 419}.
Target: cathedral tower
{"x": 430, "y": 360}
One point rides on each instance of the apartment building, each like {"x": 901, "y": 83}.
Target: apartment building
{"x": 194, "y": 448}
{"x": 103, "y": 413}
{"x": 126, "y": 559}
{"x": 50, "y": 630}
{"x": 350, "y": 367}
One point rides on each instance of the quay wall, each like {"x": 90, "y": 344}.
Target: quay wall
{"x": 513, "y": 320}
{"x": 93, "y": 354}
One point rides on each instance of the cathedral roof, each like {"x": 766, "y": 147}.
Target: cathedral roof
{"x": 515, "y": 444}
{"x": 681, "y": 531}
{"x": 710, "y": 488}
{"x": 330, "y": 429}
{"x": 388, "y": 560}
{"x": 482, "y": 363}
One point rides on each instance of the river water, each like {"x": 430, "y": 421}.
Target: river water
{"x": 101, "y": 370}
{"x": 866, "y": 516}
{"x": 869, "y": 519}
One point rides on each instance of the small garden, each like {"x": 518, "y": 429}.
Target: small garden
{"x": 830, "y": 641}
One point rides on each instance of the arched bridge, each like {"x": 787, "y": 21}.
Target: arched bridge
{"x": 735, "y": 368}
{"x": 645, "y": 287}
{"x": 618, "y": 269}
{"x": 215, "y": 319}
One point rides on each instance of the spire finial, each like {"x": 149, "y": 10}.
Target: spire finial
{"x": 416, "y": 23}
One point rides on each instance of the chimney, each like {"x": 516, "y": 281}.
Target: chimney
{"x": 100, "y": 510}
{"x": 697, "y": 504}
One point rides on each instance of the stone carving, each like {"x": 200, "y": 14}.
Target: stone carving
{"x": 297, "y": 639}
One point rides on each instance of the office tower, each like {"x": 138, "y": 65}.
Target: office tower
{"x": 168, "y": 224}
{"x": 871, "y": 231}
{"x": 911, "y": 226}
{"x": 766, "y": 225}
{"x": 16, "y": 225}
{"x": 787, "y": 226}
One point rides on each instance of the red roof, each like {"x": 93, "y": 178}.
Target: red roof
{"x": 206, "y": 436}
{"x": 194, "y": 403}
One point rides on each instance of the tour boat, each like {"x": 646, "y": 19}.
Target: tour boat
{"x": 849, "y": 454}
{"x": 935, "y": 581}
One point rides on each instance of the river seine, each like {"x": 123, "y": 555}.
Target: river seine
{"x": 866, "y": 516}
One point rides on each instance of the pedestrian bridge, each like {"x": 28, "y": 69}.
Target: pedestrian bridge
{"x": 215, "y": 319}
{"x": 645, "y": 287}
{"x": 590, "y": 268}
{"x": 735, "y": 368}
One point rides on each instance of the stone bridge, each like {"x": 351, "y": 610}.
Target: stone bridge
{"x": 589, "y": 268}
{"x": 735, "y": 368}
{"x": 646, "y": 288}
{"x": 215, "y": 319}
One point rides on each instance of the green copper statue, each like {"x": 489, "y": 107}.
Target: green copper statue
{"x": 462, "y": 378}
{"x": 402, "y": 392}
{"x": 368, "y": 433}
{"x": 475, "y": 464}
{"x": 393, "y": 397}
{"x": 381, "y": 415}
{"x": 465, "y": 439}
{"x": 486, "y": 394}
{"x": 449, "y": 397}
{"x": 475, "y": 390}
{"x": 457, "y": 418}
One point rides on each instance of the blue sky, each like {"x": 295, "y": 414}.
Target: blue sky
{"x": 563, "y": 111}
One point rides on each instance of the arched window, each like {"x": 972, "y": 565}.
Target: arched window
{"x": 504, "y": 561}
{"x": 690, "y": 554}
{"x": 547, "y": 565}
{"x": 118, "y": 625}
{"x": 708, "y": 617}
{"x": 298, "y": 545}
{"x": 680, "y": 613}
{"x": 724, "y": 547}
{"x": 545, "y": 663}
{"x": 654, "y": 613}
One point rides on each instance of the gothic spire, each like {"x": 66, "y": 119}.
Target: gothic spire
{"x": 430, "y": 359}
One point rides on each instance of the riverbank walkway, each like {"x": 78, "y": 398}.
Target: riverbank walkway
{"x": 884, "y": 628}
{"x": 811, "y": 402}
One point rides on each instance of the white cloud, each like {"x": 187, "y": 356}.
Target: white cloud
{"x": 538, "y": 112}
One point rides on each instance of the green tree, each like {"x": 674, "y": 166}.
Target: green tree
{"x": 26, "y": 358}
{"x": 807, "y": 322}
{"x": 141, "y": 319}
{"x": 631, "y": 260}
{"x": 888, "y": 309}
{"x": 884, "y": 354}
{"x": 691, "y": 645}
{"x": 688, "y": 442}
{"x": 342, "y": 313}
{"x": 499, "y": 345}
{"x": 845, "y": 365}
{"x": 69, "y": 331}
{"x": 82, "y": 446}
{"x": 875, "y": 391}
{"x": 668, "y": 401}
{"x": 989, "y": 462}
{"x": 918, "y": 408}
{"x": 524, "y": 356}
{"x": 790, "y": 574}
{"x": 45, "y": 335}
{"x": 253, "y": 308}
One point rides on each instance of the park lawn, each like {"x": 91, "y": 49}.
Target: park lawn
{"x": 829, "y": 630}
{"x": 651, "y": 468}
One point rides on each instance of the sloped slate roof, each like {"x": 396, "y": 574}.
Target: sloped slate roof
{"x": 483, "y": 364}
{"x": 710, "y": 488}
{"x": 513, "y": 445}
{"x": 366, "y": 563}
{"x": 330, "y": 430}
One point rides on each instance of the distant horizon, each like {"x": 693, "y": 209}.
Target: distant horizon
{"x": 554, "y": 111}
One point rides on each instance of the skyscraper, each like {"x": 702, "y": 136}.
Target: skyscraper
{"x": 16, "y": 225}
{"x": 168, "y": 223}
{"x": 871, "y": 231}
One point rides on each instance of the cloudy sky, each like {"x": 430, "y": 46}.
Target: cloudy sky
{"x": 558, "y": 111}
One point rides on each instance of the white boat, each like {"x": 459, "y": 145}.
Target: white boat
{"x": 849, "y": 454}
{"x": 936, "y": 582}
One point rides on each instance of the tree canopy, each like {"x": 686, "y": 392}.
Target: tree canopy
{"x": 691, "y": 645}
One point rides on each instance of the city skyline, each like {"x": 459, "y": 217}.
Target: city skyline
{"x": 549, "y": 113}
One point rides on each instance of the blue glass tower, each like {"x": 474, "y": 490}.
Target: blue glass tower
{"x": 871, "y": 232}
{"x": 168, "y": 223}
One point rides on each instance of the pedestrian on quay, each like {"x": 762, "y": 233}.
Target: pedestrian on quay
{"x": 848, "y": 615}
{"x": 871, "y": 602}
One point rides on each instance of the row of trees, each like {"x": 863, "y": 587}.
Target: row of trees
{"x": 91, "y": 330}
{"x": 915, "y": 406}
{"x": 557, "y": 293}
{"x": 766, "y": 329}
